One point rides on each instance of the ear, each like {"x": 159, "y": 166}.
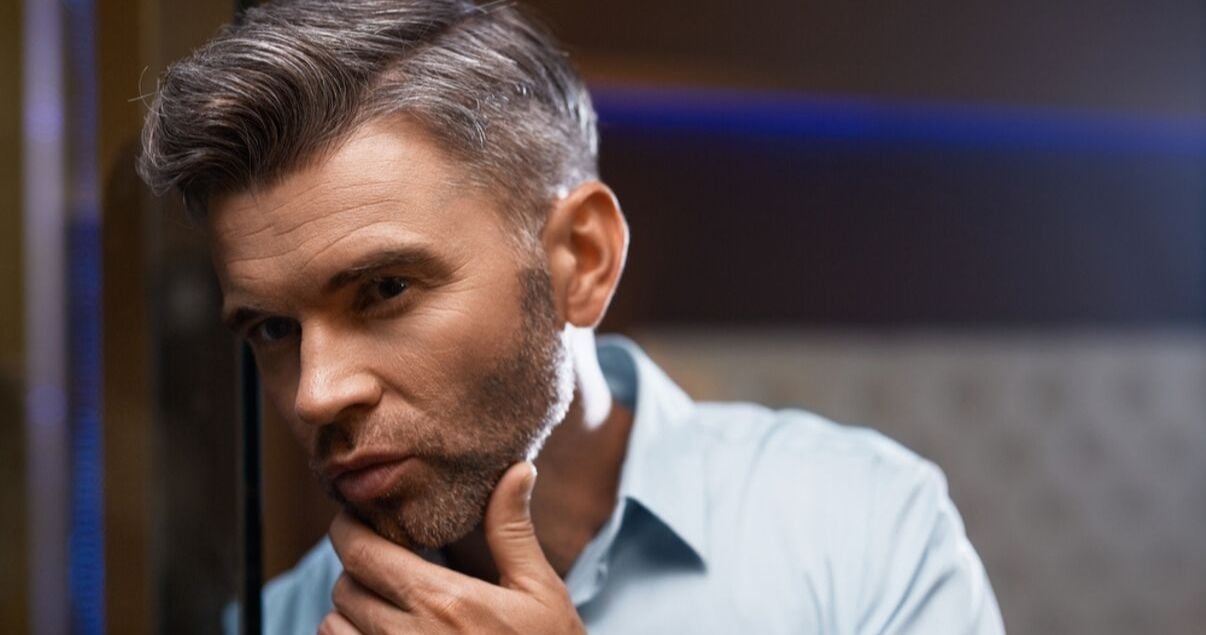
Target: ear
{"x": 586, "y": 239}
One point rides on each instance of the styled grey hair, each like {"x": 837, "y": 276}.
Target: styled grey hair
{"x": 296, "y": 77}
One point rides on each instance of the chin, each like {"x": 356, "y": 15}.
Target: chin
{"x": 428, "y": 522}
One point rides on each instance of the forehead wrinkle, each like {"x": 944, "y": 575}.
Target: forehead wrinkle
{"x": 326, "y": 234}
{"x": 338, "y": 216}
{"x": 331, "y": 186}
{"x": 307, "y": 221}
{"x": 441, "y": 193}
{"x": 253, "y": 208}
{"x": 254, "y": 259}
{"x": 339, "y": 239}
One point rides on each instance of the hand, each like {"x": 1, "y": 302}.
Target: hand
{"x": 386, "y": 588}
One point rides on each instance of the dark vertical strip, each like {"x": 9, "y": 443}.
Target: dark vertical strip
{"x": 252, "y": 609}
{"x": 253, "y": 561}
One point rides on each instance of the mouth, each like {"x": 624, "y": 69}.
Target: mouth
{"x": 363, "y": 480}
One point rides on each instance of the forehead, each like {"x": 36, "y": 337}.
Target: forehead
{"x": 388, "y": 185}
{"x": 389, "y": 169}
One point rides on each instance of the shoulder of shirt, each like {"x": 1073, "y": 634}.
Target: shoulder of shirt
{"x": 824, "y": 492}
{"x": 801, "y": 438}
{"x": 791, "y": 467}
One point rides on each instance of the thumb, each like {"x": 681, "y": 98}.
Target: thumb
{"x": 509, "y": 530}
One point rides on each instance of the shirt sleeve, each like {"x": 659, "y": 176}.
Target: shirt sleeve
{"x": 922, "y": 574}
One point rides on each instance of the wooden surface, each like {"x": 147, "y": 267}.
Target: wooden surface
{"x": 13, "y": 596}
{"x": 145, "y": 479}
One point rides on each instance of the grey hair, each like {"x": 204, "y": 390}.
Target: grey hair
{"x": 295, "y": 77}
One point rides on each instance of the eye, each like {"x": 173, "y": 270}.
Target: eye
{"x": 273, "y": 330}
{"x": 387, "y": 288}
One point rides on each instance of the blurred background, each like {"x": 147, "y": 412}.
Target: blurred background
{"x": 977, "y": 227}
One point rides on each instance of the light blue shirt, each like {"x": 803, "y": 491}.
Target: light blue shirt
{"x": 733, "y": 518}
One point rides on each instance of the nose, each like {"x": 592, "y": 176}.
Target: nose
{"x": 334, "y": 379}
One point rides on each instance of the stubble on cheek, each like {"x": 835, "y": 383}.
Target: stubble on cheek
{"x": 503, "y": 417}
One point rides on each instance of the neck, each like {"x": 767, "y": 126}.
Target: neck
{"x": 579, "y": 472}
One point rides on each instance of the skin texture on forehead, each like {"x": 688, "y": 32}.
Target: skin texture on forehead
{"x": 388, "y": 177}
{"x": 465, "y": 369}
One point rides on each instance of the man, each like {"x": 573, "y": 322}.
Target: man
{"x": 402, "y": 201}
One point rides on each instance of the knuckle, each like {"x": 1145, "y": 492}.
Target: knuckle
{"x": 517, "y": 530}
{"x": 405, "y": 591}
{"x": 448, "y": 605}
{"x": 340, "y": 592}
{"x": 327, "y": 625}
{"x": 357, "y": 556}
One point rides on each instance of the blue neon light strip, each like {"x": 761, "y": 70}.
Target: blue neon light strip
{"x": 86, "y": 548}
{"x": 87, "y": 540}
{"x": 689, "y": 111}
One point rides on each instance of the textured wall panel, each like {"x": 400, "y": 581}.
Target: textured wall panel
{"x": 1078, "y": 461}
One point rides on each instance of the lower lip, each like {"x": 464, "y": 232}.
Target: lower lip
{"x": 371, "y": 482}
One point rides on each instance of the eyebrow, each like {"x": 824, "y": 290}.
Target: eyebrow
{"x": 412, "y": 257}
{"x": 241, "y": 316}
{"x": 415, "y": 257}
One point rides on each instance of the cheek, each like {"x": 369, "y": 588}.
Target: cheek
{"x": 303, "y": 434}
{"x": 446, "y": 345}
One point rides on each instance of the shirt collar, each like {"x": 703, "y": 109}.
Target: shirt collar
{"x": 663, "y": 468}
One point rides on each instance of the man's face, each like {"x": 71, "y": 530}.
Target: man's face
{"x": 414, "y": 354}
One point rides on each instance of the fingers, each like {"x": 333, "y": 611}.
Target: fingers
{"x": 336, "y": 624}
{"x": 367, "y": 611}
{"x": 509, "y": 530}
{"x": 387, "y": 588}
{"x": 388, "y": 570}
